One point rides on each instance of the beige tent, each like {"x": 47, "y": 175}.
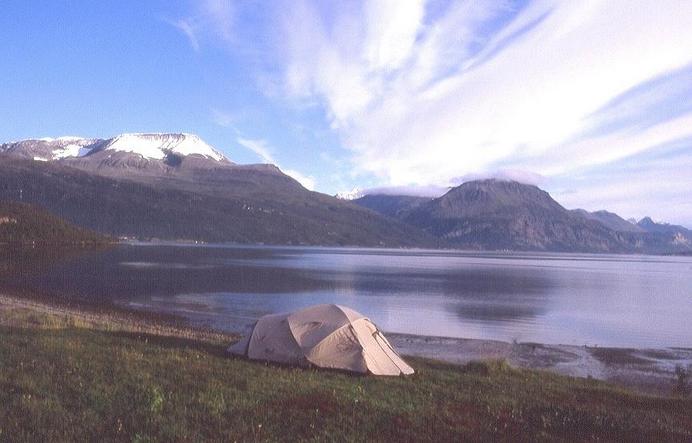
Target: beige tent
{"x": 326, "y": 336}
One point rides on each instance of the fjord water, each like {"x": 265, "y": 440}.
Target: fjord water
{"x": 604, "y": 300}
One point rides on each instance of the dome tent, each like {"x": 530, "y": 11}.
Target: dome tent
{"x": 326, "y": 336}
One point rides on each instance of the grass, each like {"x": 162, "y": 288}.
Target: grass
{"x": 64, "y": 379}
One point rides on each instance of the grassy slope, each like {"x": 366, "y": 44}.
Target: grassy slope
{"x": 24, "y": 223}
{"x": 62, "y": 378}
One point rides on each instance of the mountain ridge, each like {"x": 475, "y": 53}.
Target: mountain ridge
{"x": 507, "y": 215}
{"x": 148, "y": 145}
{"x": 175, "y": 186}
{"x": 234, "y": 204}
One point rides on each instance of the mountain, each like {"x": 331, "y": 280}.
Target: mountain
{"x": 153, "y": 146}
{"x": 611, "y": 220}
{"x": 648, "y": 225}
{"x": 507, "y": 215}
{"x": 396, "y": 206}
{"x": 175, "y": 186}
{"x": 23, "y": 223}
{"x": 668, "y": 238}
{"x": 353, "y": 194}
{"x": 497, "y": 214}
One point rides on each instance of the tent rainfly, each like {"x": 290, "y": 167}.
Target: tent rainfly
{"x": 326, "y": 336}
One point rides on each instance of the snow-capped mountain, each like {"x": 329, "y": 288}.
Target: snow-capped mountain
{"x": 154, "y": 146}
{"x": 176, "y": 186}
{"x": 48, "y": 149}
{"x": 353, "y": 194}
{"x": 158, "y": 146}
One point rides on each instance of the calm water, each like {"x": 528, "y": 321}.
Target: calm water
{"x": 549, "y": 298}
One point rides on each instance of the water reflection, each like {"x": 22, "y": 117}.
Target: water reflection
{"x": 552, "y": 298}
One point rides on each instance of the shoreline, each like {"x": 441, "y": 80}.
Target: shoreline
{"x": 110, "y": 318}
{"x": 421, "y": 249}
{"x": 646, "y": 370}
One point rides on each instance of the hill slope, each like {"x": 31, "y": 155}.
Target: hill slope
{"x": 611, "y": 220}
{"x": 175, "y": 186}
{"x": 233, "y": 204}
{"x": 494, "y": 214}
{"x": 396, "y": 206}
{"x": 506, "y": 215}
{"x": 23, "y": 223}
{"x": 648, "y": 225}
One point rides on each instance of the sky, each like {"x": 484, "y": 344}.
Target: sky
{"x": 590, "y": 100}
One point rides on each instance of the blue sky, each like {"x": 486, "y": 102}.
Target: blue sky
{"x": 592, "y": 101}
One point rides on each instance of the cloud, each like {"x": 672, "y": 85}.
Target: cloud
{"x": 219, "y": 16}
{"x": 392, "y": 27}
{"x": 420, "y": 94}
{"x": 262, "y": 149}
{"x": 188, "y": 30}
{"x": 517, "y": 175}
{"x": 417, "y": 191}
{"x": 223, "y": 118}
{"x": 432, "y": 92}
{"x": 209, "y": 18}
{"x": 653, "y": 183}
{"x": 307, "y": 181}
{"x": 259, "y": 147}
{"x": 436, "y": 190}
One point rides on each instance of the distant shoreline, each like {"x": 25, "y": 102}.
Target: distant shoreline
{"x": 201, "y": 243}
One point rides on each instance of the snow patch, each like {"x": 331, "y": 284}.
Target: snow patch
{"x": 157, "y": 146}
{"x": 680, "y": 239}
{"x": 65, "y": 138}
{"x": 40, "y": 159}
{"x": 353, "y": 194}
{"x": 151, "y": 146}
{"x": 72, "y": 150}
{"x": 145, "y": 146}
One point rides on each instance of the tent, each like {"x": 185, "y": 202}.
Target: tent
{"x": 326, "y": 336}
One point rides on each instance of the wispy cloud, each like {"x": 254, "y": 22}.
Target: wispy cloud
{"x": 655, "y": 183}
{"x": 218, "y": 16}
{"x": 422, "y": 95}
{"x": 188, "y": 30}
{"x": 215, "y": 18}
{"x": 222, "y": 118}
{"x": 426, "y": 92}
{"x": 307, "y": 181}
{"x": 259, "y": 147}
{"x": 431, "y": 191}
{"x": 262, "y": 149}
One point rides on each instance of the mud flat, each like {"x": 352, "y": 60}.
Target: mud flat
{"x": 645, "y": 370}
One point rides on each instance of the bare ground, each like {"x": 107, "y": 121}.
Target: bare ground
{"x": 644, "y": 370}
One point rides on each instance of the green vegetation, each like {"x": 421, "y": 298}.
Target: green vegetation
{"x": 21, "y": 223}
{"x": 239, "y": 204}
{"x": 64, "y": 378}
